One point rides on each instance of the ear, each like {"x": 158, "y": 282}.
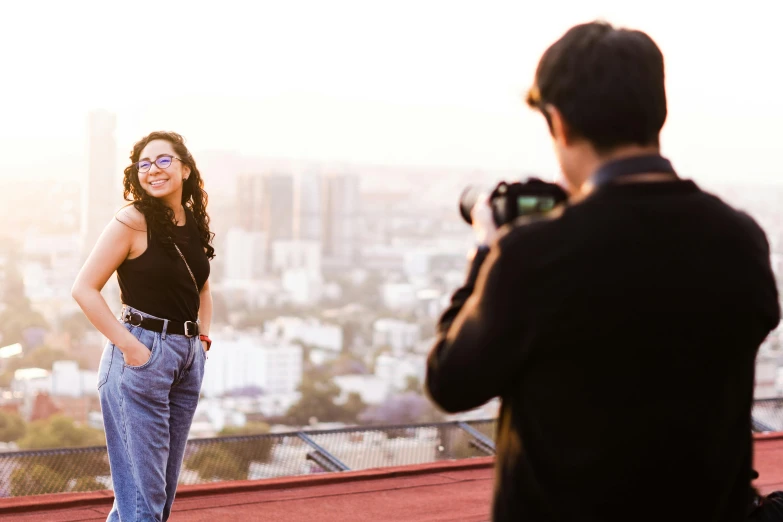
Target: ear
{"x": 185, "y": 172}
{"x": 561, "y": 130}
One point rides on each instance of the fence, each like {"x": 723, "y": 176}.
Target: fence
{"x": 768, "y": 415}
{"x": 257, "y": 456}
{"x": 283, "y": 454}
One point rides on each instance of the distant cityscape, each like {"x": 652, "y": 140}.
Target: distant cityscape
{"x": 327, "y": 286}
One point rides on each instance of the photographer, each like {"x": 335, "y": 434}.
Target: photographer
{"x": 621, "y": 333}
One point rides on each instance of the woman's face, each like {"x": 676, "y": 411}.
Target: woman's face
{"x": 161, "y": 172}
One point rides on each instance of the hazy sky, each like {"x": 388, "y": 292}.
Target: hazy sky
{"x": 410, "y": 83}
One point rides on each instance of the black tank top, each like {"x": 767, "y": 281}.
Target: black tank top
{"x": 158, "y": 283}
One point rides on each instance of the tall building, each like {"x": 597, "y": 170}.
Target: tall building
{"x": 340, "y": 215}
{"x": 102, "y": 189}
{"x": 266, "y": 205}
{"x": 308, "y": 207}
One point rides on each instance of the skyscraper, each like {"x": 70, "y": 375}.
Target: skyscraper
{"x": 266, "y": 204}
{"x": 340, "y": 214}
{"x": 102, "y": 188}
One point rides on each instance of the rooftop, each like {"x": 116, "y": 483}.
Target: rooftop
{"x": 436, "y": 491}
{"x": 450, "y": 490}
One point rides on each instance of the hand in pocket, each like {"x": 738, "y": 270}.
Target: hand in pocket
{"x": 137, "y": 355}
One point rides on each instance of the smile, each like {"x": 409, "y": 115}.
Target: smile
{"x": 158, "y": 182}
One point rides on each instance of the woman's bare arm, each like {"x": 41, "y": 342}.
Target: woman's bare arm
{"x": 111, "y": 249}
{"x": 205, "y": 309}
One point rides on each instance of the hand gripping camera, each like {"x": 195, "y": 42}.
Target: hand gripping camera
{"x": 510, "y": 201}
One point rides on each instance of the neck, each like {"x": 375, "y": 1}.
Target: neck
{"x": 179, "y": 211}
{"x": 594, "y": 160}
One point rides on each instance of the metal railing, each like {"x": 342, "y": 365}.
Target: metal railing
{"x": 768, "y": 414}
{"x": 256, "y": 457}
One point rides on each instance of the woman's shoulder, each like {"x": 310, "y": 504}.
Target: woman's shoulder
{"x": 132, "y": 218}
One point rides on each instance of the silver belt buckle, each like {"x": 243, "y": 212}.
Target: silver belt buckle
{"x": 128, "y": 318}
{"x": 187, "y": 328}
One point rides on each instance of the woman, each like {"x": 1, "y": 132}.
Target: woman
{"x": 150, "y": 374}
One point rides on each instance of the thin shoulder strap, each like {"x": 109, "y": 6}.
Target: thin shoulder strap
{"x": 192, "y": 277}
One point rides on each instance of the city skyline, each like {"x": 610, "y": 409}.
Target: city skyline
{"x": 439, "y": 85}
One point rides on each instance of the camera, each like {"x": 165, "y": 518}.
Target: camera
{"x": 510, "y": 201}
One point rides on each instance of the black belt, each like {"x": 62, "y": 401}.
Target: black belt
{"x": 188, "y": 328}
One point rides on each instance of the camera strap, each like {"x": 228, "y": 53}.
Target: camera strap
{"x": 613, "y": 170}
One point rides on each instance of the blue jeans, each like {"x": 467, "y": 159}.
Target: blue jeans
{"x": 147, "y": 413}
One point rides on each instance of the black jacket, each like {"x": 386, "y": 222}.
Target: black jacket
{"x": 621, "y": 338}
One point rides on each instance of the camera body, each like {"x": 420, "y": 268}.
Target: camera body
{"x": 510, "y": 201}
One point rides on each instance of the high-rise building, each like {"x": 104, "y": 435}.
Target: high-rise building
{"x": 102, "y": 189}
{"x": 266, "y": 205}
{"x": 308, "y": 207}
{"x": 340, "y": 214}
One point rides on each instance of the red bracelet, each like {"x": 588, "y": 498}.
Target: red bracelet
{"x": 206, "y": 339}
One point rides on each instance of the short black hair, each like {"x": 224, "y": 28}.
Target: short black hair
{"x": 607, "y": 83}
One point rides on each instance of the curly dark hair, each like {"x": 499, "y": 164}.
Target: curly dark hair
{"x": 160, "y": 218}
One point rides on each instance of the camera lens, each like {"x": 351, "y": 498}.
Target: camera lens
{"x": 468, "y": 200}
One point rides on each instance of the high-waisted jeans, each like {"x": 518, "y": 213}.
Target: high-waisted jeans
{"x": 147, "y": 413}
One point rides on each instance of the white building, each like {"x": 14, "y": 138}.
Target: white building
{"x": 51, "y": 263}
{"x": 417, "y": 263}
{"x": 298, "y": 255}
{"x": 248, "y": 361}
{"x": 71, "y": 381}
{"x": 308, "y": 331}
{"x": 401, "y": 336}
{"x": 65, "y": 380}
{"x": 398, "y": 296}
{"x": 371, "y": 388}
{"x": 245, "y": 255}
{"x": 253, "y": 293}
{"x": 766, "y": 384}
{"x": 396, "y": 370}
{"x": 301, "y": 289}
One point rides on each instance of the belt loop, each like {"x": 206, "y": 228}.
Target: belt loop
{"x": 165, "y": 327}
{"x": 124, "y": 314}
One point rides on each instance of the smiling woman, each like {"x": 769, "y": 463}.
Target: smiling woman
{"x": 150, "y": 375}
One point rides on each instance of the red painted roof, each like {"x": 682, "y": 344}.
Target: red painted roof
{"x": 441, "y": 491}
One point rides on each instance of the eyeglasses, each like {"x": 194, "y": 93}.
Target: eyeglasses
{"x": 163, "y": 162}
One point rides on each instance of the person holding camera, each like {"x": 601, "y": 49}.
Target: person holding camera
{"x": 621, "y": 331}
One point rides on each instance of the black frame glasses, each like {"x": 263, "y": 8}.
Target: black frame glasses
{"x": 160, "y": 161}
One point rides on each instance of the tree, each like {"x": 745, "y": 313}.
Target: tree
{"x": 214, "y": 463}
{"x": 60, "y": 432}
{"x": 37, "y": 479}
{"x": 404, "y": 408}
{"x": 55, "y": 473}
{"x": 12, "y": 427}
{"x": 316, "y": 400}
{"x": 353, "y": 407}
{"x": 412, "y": 384}
{"x": 229, "y": 459}
{"x": 76, "y": 325}
{"x": 251, "y": 428}
{"x": 18, "y": 317}
{"x": 41, "y": 357}
{"x": 17, "y": 321}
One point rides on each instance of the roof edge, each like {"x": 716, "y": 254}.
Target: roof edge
{"x": 28, "y": 504}
{"x": 768, "y": 435}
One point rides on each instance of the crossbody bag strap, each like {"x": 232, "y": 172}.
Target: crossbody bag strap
{"x": 192, "y": 278}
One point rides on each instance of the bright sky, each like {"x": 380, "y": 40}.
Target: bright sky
{"x": 409, "y": 83}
